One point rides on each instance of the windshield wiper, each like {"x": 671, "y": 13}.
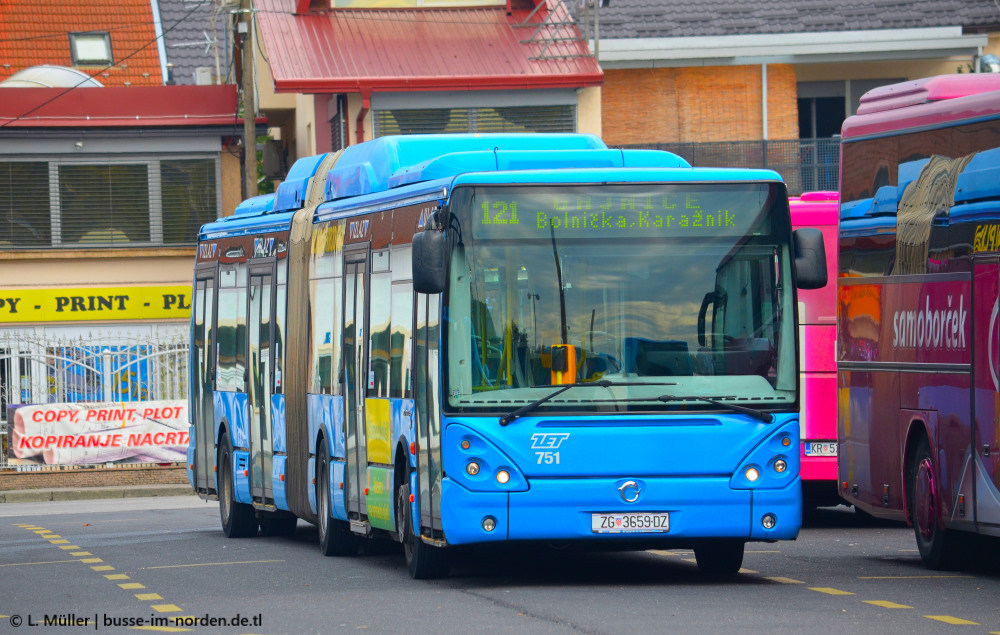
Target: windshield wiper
{"x": 760, "y": 415}
{"x": 601, "y": 383}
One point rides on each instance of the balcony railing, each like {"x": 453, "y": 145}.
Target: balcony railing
{"x": 807, "y": 165}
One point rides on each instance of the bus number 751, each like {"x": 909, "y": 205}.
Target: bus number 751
{"x": 548, "y": 458}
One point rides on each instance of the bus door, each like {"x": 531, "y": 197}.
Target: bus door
{"x": 261, "y": 382}
{"x": 203, "y": 379}
{"x": 355, "y": 376}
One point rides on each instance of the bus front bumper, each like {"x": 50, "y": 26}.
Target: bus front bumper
{"x": 562, "y": 509}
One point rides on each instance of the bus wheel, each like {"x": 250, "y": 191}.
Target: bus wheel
{"x": 335, "y": 537}
{"x": 717, "y": 559}
{"x": 423, "y": 561}
{"x": 937, "y": 546}
{"x": 238, "y": 519}
{"x": 275, "y": 525}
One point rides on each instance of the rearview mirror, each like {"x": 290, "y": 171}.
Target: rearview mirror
{"x": 809, "y": 253}
{"x": 430, "y": 261}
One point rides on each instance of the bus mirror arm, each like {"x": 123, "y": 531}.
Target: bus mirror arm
{"x": 810, "y": 258}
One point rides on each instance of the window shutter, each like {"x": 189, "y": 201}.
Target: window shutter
{"x": 25, "y": 208}
{"x": 465, "y": 120}
{"x": 104, "y": 204}
{"x": 106, "y": 201}
{"x": 189, "y": 198}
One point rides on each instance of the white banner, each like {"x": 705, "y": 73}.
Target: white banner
{"x": 86, "y": 433}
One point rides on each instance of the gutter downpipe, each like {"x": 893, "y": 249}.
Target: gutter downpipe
{"x": 366, "y": 103}
{"x": 763, "y": 91}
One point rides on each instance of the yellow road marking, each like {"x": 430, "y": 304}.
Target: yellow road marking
{"x": 68, "y": 547}
{"x": 103, "y": 567}
{"x": 886, "y": 604}
{"x": 742, "y": 570}
{"x": 81, "y": 553}
{"x": 162, "y": 629}
{"x": 132, "y": 585}
{"x": 662, "y": 552}
{"x": 165, "y": 608}
{"x": 27, "y": 564}
{"x": 785, "y": 580}
{"x": 211, "y": 564}
{"x": 694, "y": 560}
{"x": 51, "y": 535}
{"x": 829, "y": 591}
{"x": 909, "y": 577}
{"x": 89, "y": 560}
{"x": 117, "y": 576}
{"x": 148, "y": 596}
{"x": 61, "y": 541}
{"x": 948, "y": 619}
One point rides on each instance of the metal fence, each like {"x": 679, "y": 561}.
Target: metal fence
{"x": 38, "y": 367}
{"x": 807, "y": 165}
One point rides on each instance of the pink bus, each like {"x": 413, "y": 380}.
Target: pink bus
{"x": 917, "y": 292}
{"x": 818, "y": 366}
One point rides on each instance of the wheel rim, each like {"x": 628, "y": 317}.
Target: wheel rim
{"x": 322, "y": 503}
{"x": 925, "y": 495}
{"x": 403, "y": 518}
{"x": 226, "y": 500}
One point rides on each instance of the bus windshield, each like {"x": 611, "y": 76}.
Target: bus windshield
{"x": 663, "y": 289}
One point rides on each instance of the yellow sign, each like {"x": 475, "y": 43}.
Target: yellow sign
{"x": 94, "y": 303}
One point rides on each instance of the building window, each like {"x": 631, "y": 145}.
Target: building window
{"x": 90, "y": 49}
{"x": 25, "y": 206}
{"x": 104, "y": 204}
{"x": 137, "y": 202}
{"x": 464, "y": 120}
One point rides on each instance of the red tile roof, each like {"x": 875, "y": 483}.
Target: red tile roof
{"x": 361, "y": 50}
{"x": 34, "y": 33}
{"x": 142, "y": 106}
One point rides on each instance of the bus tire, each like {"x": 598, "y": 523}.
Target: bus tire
{"x": 719, "y": 558}
{"x": 335, "y": 537}
{"x": 278, "y": 525}
{"x": 423, "y": 561}
{"x": 238, "y": 519}
{"x": 937, "y": 546}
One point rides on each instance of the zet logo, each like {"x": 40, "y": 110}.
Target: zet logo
{"x": 548, "y": 440}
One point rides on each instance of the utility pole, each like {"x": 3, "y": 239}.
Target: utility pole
{"x": 249, "y": 100}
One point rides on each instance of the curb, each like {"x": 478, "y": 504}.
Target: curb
{"x": 93, "y": 493}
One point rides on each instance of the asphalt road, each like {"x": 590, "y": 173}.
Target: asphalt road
{"x": 110, "y": 563}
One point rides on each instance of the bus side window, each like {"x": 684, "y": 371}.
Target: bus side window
{"x": 401, "y": 341}
{"x": 379, "y": 319}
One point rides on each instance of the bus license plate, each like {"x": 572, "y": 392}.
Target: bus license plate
{"x": 821, "y": 448}
{"x": 629, "y": 523}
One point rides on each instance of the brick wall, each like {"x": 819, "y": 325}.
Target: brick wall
{"x": 94, "y": 477}
{"x": 697, "y": 104}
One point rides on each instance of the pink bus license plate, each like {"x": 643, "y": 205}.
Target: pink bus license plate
{"x": 821, "y": 448}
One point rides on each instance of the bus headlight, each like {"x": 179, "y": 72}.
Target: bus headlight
{"x": 503, "y": 476}
{"x": 780, "y": 466}
{"x": 752, "y": 474}
{"x": 472, "y": 468}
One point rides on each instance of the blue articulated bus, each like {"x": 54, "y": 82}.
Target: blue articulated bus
{"x": 461, "y": 339}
